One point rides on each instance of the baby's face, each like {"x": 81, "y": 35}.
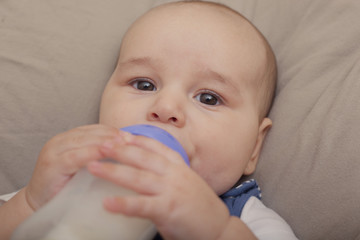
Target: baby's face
{"x": 193, "y": 73}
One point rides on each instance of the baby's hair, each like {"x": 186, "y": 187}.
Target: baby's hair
{"x": 267, "y": 84}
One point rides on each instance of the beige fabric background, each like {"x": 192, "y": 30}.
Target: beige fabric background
{"x": 56, "y": 56}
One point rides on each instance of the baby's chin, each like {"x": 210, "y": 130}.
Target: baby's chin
{"x": 220, "y": 186}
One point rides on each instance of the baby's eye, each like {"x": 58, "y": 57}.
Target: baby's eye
{"x": 143, "y": 85}
{"x": 208, "y": 98}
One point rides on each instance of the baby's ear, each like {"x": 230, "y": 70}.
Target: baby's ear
{"x": 264, "y": 127}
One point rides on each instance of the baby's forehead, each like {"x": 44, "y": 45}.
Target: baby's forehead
{"x": 197, "y": 10}
{"x": 198, "y": 17}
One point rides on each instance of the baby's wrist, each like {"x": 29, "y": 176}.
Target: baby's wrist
{"x": 236, "y": 229}
{"x": 27, "y": 199}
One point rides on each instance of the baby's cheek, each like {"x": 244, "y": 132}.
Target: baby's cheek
{"x": 209, "y": 177}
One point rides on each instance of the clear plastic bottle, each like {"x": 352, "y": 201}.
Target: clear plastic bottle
{"x": 76, "y": 212}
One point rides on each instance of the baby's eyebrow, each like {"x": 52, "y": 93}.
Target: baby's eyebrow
{"x": 141, "y": 61}
{"x": 213, "y": 75}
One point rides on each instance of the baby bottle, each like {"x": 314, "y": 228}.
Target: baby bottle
{"x": 76, "y": 212}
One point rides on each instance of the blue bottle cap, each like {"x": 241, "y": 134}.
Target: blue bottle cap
{"x": 159, "y": 134}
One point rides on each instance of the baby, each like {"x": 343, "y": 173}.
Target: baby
{"x": 205, "y": 74}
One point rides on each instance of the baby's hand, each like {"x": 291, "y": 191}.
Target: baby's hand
{"x": 62, "y": 157}
{"x": 172, "y": 195}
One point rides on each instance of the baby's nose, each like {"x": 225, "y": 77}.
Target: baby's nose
{"x": 168, "y": 109}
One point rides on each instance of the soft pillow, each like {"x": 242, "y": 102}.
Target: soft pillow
{"x": 56, "y": 56}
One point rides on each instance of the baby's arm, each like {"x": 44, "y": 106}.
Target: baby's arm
{"x": 58, "y": 161}
{"x": 172, "y": 195}
{"x": 12, "y": 213}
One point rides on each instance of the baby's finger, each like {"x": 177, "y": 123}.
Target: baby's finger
{"x": 136, "y": 156}
{"x": 83, "y": 136}
{"x": 73, "y": 160}
{"x": 143, "y": 182}
{"x": 135, "y": 206}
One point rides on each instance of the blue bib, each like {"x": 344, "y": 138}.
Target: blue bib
{"x": 236, "y": 198}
